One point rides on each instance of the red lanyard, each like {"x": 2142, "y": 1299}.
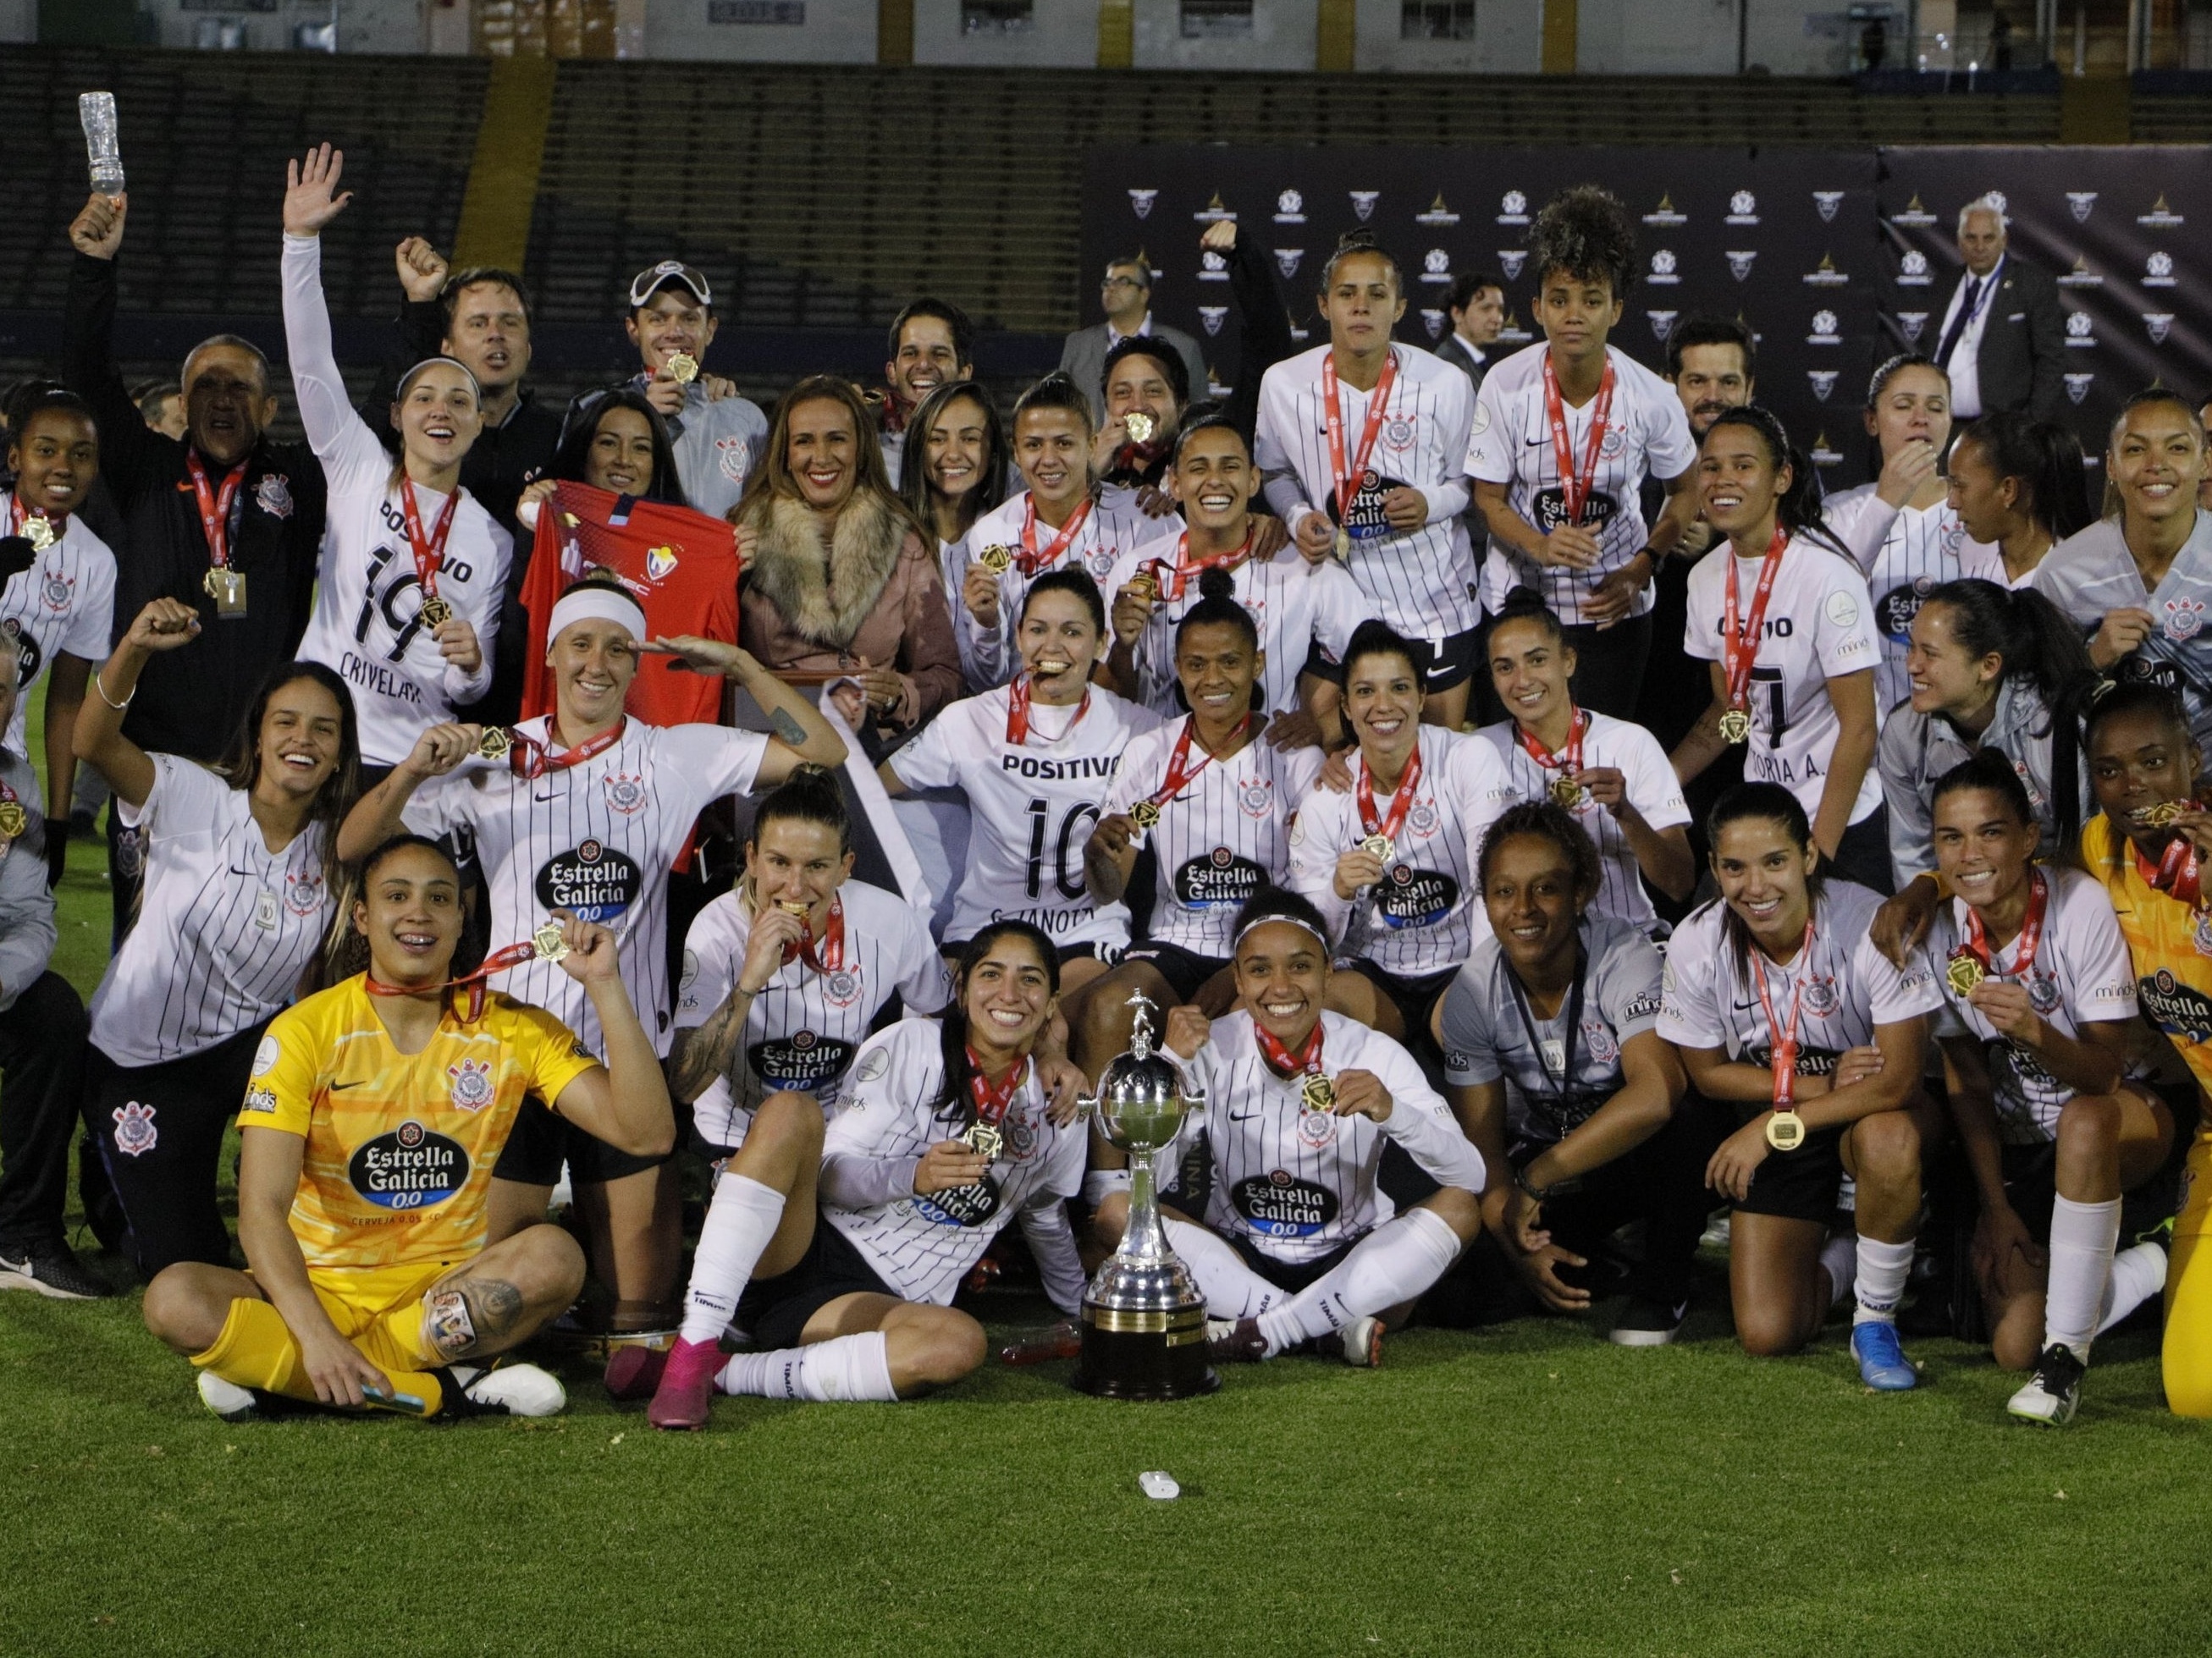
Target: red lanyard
{"x": 530, "y": 759}
{"x": 215, "y": 509}
{"x": 18, "y": 514}
{"x": 1975, "y": 944}
{"x": 1575, "y": 486}
{"x": 2176, "y": 874}
{"x": 1377, "y": 400}
{"x": 831, "y": 959}
{"x": 429, "y": 552}
{"x": 1018, "y": 712}
{"x": 498, "y": 961}
{"x": 1401, "y": 803}
{"x": 1739, "y": 644}
{"x": 1307, "y": 1059}
{"x": 1785, "y": 1048}
{"x": 993, "y": 1099}
{"x": 1033, "y": 562}
{"x": 1176, "y": 579}
{"x": 1577, "y": 726}
{"x": 1180, "y": 770}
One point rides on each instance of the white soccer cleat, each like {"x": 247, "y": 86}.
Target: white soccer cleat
{"x": 517, "y": 1389}
{"x": 227, "y": 1398}
{"x": 2053, "y": 1393}
{"x": 1363, "y": 1343}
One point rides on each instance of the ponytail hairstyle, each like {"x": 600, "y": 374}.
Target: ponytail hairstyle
{"x": 1208, "y": 417}
{"x": 1768, "y": 802}
{"x": 955, "y": 1103}
{"x": 345, "y": 949}
{"x": 1360, "y": 241}
{"x": 1526, "y": 604}
{"x": 1985, "y": 769}
{"x": 1545, "y": 822}
{"x": 1218, "y": 605}
{"x": 1376, "y": 637}
{"x": 1585, "y": 232}
{"x": 811, "y": 794}
{"x": 2045, "y": 458}
{"x": 1069, "y": 579}
{"x": 1797, "y": 508}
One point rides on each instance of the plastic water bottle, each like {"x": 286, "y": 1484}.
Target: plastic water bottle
{"x": 97, "y": 110}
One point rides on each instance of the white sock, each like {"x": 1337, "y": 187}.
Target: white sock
{"x": 1840, "y": 1255}
{"x": 740, "y": 1220}
{"x": 1232, "y": 1289}
{"x": 848, "y": 1368}
{"x": 1393, "y": 1263}
{"x": 2082, "y": 1238}
{"x": 1883, "y": 1269}
{"x": 2137, "y": 1274}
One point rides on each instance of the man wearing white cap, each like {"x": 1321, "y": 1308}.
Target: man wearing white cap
{"x": 586, "y": 810}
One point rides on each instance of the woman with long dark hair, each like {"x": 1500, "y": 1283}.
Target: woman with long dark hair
{"x": 2018, "y": 485}
{"x": 241, "y": 867}
{"x": 617, "y": 441}
{"x": 952, "y": 470}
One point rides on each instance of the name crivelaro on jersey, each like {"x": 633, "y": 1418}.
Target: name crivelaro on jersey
{"x": 65, "y": 602}
{"x": 1907, "y": 552}
{"x": 804, "y": 1027}
{"x": 989, "y": 656}
{"x": 1420, "y": 582}
{"x": 597, "y": 838}
{"x": 1222, "y": 839}
{"x": 1031, "y": 807}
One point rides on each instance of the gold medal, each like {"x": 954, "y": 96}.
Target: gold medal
{"x": 2159, "y": 816}
{"x": 1147, "y": 813}
{"x": 1964, "y": 972}
{"x": 227, "y": 587}
{"x": 547, "y": 944}
{"x": 1343, "y": 546}
{"x": 1145, "y": 585}
{"x": 1139, "y": 425}
{"x": 996, "y": 559}
{"x": 798, "y": 907}
{"x": 1317, "y": 1094}
{"x": 1566, "y": 793}
{"x": 1380, "y": 845}
{"x": 984, "y": 1141}
{"x": 435, "y": 612}
{"x": 14, "y": 820}
{"x": 1785, "y": 1129}
{"x": 1736, "y": 725}
{"x": 495, "y": 742}
{"x": 683, "y": 368}
{"x": 38, "y": 530}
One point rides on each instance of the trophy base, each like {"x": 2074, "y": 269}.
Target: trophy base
{"x": 1145, "y": 1355}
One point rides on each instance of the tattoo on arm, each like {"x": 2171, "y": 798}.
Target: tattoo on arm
{"x": 705, "y": 1054}
{"x": 786, "y": 727}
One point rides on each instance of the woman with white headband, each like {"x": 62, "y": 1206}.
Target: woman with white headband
{"x": 588, "y": 810}
{"x": 413, "y": 567}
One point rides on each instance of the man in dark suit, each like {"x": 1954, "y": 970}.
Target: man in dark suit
{"x": 2003, "y": 335}
{"x": 1126, "y": 291}
{"x": 1478, "y": 315}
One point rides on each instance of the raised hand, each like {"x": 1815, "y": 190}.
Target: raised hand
{"x": 421, "y": 269}
{"x": 97, "y": 230}
{"x": 312, "y": 196}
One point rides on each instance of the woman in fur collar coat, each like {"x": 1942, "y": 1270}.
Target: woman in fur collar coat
{"x": 840, "y": 580}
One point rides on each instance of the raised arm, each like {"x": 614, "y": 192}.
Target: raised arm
{"x": 799, "y": 735}
{"x": 340, "y": 437}
{"x": 127, "y": 445}
{"x": 163, "y": 625}
{"x": 625, "y": 1102}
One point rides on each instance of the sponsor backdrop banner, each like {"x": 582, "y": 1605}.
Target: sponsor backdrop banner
{"x": 1836, "y": 258}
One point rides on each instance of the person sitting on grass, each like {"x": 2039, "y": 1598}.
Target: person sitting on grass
{"x": 374, "y": 1115}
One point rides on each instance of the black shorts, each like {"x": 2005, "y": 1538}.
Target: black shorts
{"x": 773, "y": 1311}
{"x": 1184, "y": 970}
{"x": 1800, "y": 1185}
{"x": 1291, "y": 1275}
{"x": 542, "y": 1140}
{"x": 1414, "y": 999}
{"x": 2031, "y": 1183}
{"x": 1449, "y": 661}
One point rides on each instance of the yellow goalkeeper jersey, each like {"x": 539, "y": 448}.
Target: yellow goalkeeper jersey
{"x": 2170, "y": 945}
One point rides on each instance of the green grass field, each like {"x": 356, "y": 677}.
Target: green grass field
{"x": 1531, "y": 1489}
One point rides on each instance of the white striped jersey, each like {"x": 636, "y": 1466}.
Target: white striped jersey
{"x": 1818, "y": 627}
{"x": 989, "y": 656}
{"x": 2081, "y": 976}
{"x": 366, "y": 624}
{"x": 1485, "y": 1039}
{"x": 1295, "y": 1184}
{"x": 1295, "y": 605}
{"x": 804, "y": 1029}
{"x": 1905, "y": 553}
{"x": 923, "y": 1246}
{"x": 225, "y": 926}
{"x": 65, "y": 602}
{"x": 1031, "y": 807}
{"x": 1222, "y": 839}
{"x": 1710, "y": 1001}
{"x": 1424, "y": 916}
{"x": 1653, "y": 790}
{"x": 1420, "y": 582}
{"x": 2092, "y": 573}
{"x": 1646, "y": 435}
{"x": 599, "y": 839}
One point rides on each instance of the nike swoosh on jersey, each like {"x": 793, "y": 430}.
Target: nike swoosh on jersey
{"x": 1243, "y": 1117}
{"x": 546, "y": 800}
{"x": 359, "y": 1082}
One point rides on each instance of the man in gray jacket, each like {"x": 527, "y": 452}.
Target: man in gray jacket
{"x": 719, "y": 439}
{"x": 1126, "y": 295}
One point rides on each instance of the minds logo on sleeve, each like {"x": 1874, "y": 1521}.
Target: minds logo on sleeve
{"x": 597, "y": 881}
{"x": 409, "y": 1168}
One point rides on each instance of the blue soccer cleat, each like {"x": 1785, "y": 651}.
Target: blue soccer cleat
{"x": 1882, "y": 1363}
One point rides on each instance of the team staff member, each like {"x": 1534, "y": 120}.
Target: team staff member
{"x": 2039, "y": 1031}
{"x": 375, "y": 1113}
{"x": 1034, "y": 759}
{"x": 1390, "y": 865}
{"x": 587, "y": 810}
{"x": 407, "y": 609}
{"x": 1212, "y": 803}
{"x": 933, "y": 343}
{"x": 2142, "y": 579}
{"x": 1565, "y": 516}
{"x": 2022, "y": 486}
{"x": 1781, "y": 1006}
{"x": 1554, "y": 1015}
{"x": 945, "y": 1136}
{"x": 1306, "y": 611}
{"x": 242, "y": 865}
{"x": 1611, "y": 777}
{"x": 1300, "y": 1245}
{"x": 721, "y": 438}
{"x": 1360, "y": 443}
{"x": 1784, "y": 620}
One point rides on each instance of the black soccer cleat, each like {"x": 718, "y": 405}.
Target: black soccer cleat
{"x": 1648, "y": 1322}
{"x": 50, "y": 1267}
{"x": 2053, "y": 1391}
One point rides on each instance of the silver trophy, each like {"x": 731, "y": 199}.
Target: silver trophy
{"x": 103, "y": 155}
{"x": 1144, "y": 1319}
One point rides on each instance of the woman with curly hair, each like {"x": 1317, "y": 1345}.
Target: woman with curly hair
{"x": 1564, "y": 514}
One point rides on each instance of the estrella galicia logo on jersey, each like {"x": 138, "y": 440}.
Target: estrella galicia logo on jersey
{"x": 625, "y": 791}
{"x": 962, "y": 1205}
{"x": 409, "y": 1168}
{"x": 28, "y": 656}
{"x": 1218, "y": 880}
{"x": 1416, "y": 897}
{"x": 1895, "y": 610}
{"x": 1282, "y": 1205}
{"x": 1365, "y": 519}
{"x": 1811, "y": 1062}
{"x": 472, "y": 1089}
{"x": 802, "y": 1061}
{"x": 2177, "y": 1009}
{"x": 303, "y": 892}
{"x": 597, "y": 881}
{"x": 273, "y": 495}
{"x": 1598, "y": 507}
{"x": 135, "y": 1133}
{"x": 2184, "y": 619}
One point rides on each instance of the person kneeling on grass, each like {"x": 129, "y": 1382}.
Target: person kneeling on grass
{"x": 946, "y": 1134}
{"x": 1300, "y": 1245}
{"x": 376, "y": 1112}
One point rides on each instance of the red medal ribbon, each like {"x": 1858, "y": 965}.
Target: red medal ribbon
{"x": 2178, "y": 873}
{"x": 1785, "y": 1043}
{"x": 498, "y": 961}
{"x": 17, "y": 512}
{"x": 1377, "y": 400}
{"x": 1306, "y": 1061}
{"x": 1975, "y": 944}
{"x": 1174, "y": 579}
{"x": 1017, "y": 711}
{"x": 1028, "y": 560}
{"x": 1401, "y": 803}
{"x": 1577, "y": 728}
{"x": 993, "y": 1100}
{"x": 1739, "y": 644}
{"x": 1575, "y": 486}
{"x": 429, "y": 552}
{"x": 530, "y": 759}
{"x": 1180, "y": 770}
{"x": 215, "y": 508}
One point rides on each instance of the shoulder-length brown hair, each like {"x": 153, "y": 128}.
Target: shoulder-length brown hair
{"x": 772, "y": 480}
